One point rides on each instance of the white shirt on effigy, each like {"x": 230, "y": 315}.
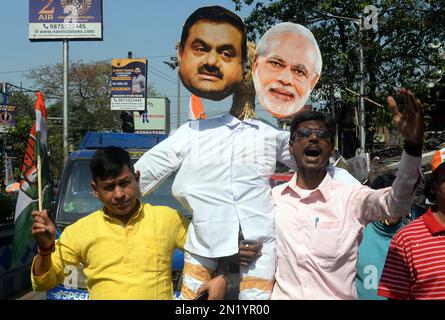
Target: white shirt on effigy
{"x": 223, "y": 179}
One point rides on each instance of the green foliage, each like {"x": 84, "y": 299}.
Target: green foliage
{"x": 16, "y": 138}
{"x": 89, "y": 92}
{"x": 406, "y": 49}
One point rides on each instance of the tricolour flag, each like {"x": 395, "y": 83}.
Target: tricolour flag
{"x": 196, "y": 110}
{"x": 29, "y": 194}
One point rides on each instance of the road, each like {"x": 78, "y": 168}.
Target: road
{"x": 30, "y": 295}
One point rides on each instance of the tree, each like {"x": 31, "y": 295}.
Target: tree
{"x": 406, "y": 49}
{"x": 17, "y": 136}
{"x": 89, "y": 91}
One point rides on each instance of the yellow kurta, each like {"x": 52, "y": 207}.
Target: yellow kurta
{"x": 132, "y": 261}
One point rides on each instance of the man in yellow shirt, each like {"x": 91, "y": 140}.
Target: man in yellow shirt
{"x": 126, "y": 247}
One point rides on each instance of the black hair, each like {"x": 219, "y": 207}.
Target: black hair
{"x": 216, "y": 14}
{"x": 431, "y": 184}
{"x": 383, "y": 181}
{"x": 109, "y": 163}
{"x": 313, "y": 115}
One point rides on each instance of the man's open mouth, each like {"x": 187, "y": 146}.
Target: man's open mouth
{"x": 312, "y": 153}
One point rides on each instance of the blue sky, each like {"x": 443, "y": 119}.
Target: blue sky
{"x": 148, "y": 28}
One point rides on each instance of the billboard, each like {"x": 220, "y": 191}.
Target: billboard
{"x": 65, "y": 19}
{"x": 7, "y": 117}
{"x": 128, "y": 84}
{"x": 156, "y": 120}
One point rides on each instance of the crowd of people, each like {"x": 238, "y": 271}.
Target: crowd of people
{"x": 322, "y": 235}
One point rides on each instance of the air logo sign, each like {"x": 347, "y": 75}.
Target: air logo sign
{"x": 65, "y": 19}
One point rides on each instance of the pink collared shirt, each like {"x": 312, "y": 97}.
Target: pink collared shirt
{"x": 318, "y": 234}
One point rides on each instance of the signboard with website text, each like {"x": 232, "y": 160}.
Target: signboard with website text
{"x": 157, "y": 118}
{"x": 128, "y": 84}
{"x": 7, "y": 117}
{"x": 65, "y": 19}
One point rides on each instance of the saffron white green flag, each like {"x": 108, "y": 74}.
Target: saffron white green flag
{"x": 28, "y": 194}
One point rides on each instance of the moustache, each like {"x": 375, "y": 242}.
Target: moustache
{"x": 210, "y": 70}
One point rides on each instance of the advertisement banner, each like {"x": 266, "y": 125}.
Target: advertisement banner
{"x": 65, "y": 19}
{"x": 156, "y": 120}
{"x": 7, "y": 117}
{"x": 128, "y": 84}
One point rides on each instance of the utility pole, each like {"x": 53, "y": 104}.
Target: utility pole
{"x": 65, "y": 98}
{"x": 362, "y": 120}
{"x": 4, "y": 93}
{"x": 361, "y": 113}
{"x": 127, "y": 116}
{"x": 178, "y": 94}
{"x": 174, "y": 65}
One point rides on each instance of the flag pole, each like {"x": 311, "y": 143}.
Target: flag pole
{"x": 39, "y": 167}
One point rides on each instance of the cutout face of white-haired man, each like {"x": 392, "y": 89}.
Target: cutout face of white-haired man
{"x": 285, "y": 74}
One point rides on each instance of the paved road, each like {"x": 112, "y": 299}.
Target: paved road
{"x": 30, "y": 295}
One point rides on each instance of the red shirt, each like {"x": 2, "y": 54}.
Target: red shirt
{"x": 415, "y": 264}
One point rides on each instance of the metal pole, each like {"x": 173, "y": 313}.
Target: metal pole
{"x": 362, "y": 93}
{"x": 5, "y": 93}
{"x": 179, "y": 101}
{"x": 65, "y": 98}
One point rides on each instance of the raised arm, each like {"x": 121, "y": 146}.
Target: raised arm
{"x": 395, "y": 201}
{"x": 44, "y": 231}
{"x": 49, "y": 265}
{"x": 158, "y": 163}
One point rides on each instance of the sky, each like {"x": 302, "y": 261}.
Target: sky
{"x": 148, "y": 28}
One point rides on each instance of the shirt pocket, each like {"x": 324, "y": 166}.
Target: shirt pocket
{"x": 326, "y": 241}
{"x": 156, "y": 255}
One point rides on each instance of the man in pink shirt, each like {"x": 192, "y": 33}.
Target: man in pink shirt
{"x": 319, "y": 221}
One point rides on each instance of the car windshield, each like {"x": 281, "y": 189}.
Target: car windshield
{"x": 79, "y": 200}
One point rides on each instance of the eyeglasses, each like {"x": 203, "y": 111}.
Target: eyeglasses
{"x": 306, "y": 133}
{"x": 299, "y": 73}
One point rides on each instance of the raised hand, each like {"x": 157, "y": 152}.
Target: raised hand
{"x": 43, "y": 230}
{"x": 410, "y": 122}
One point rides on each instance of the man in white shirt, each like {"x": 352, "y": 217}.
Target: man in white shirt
{"x": 224, "y": 166}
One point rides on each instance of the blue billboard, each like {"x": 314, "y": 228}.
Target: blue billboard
{"x": 128, "y": 84}
{"x": 65, "y": 19}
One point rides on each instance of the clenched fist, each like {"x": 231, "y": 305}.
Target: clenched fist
{"x": 43, "y": 230}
